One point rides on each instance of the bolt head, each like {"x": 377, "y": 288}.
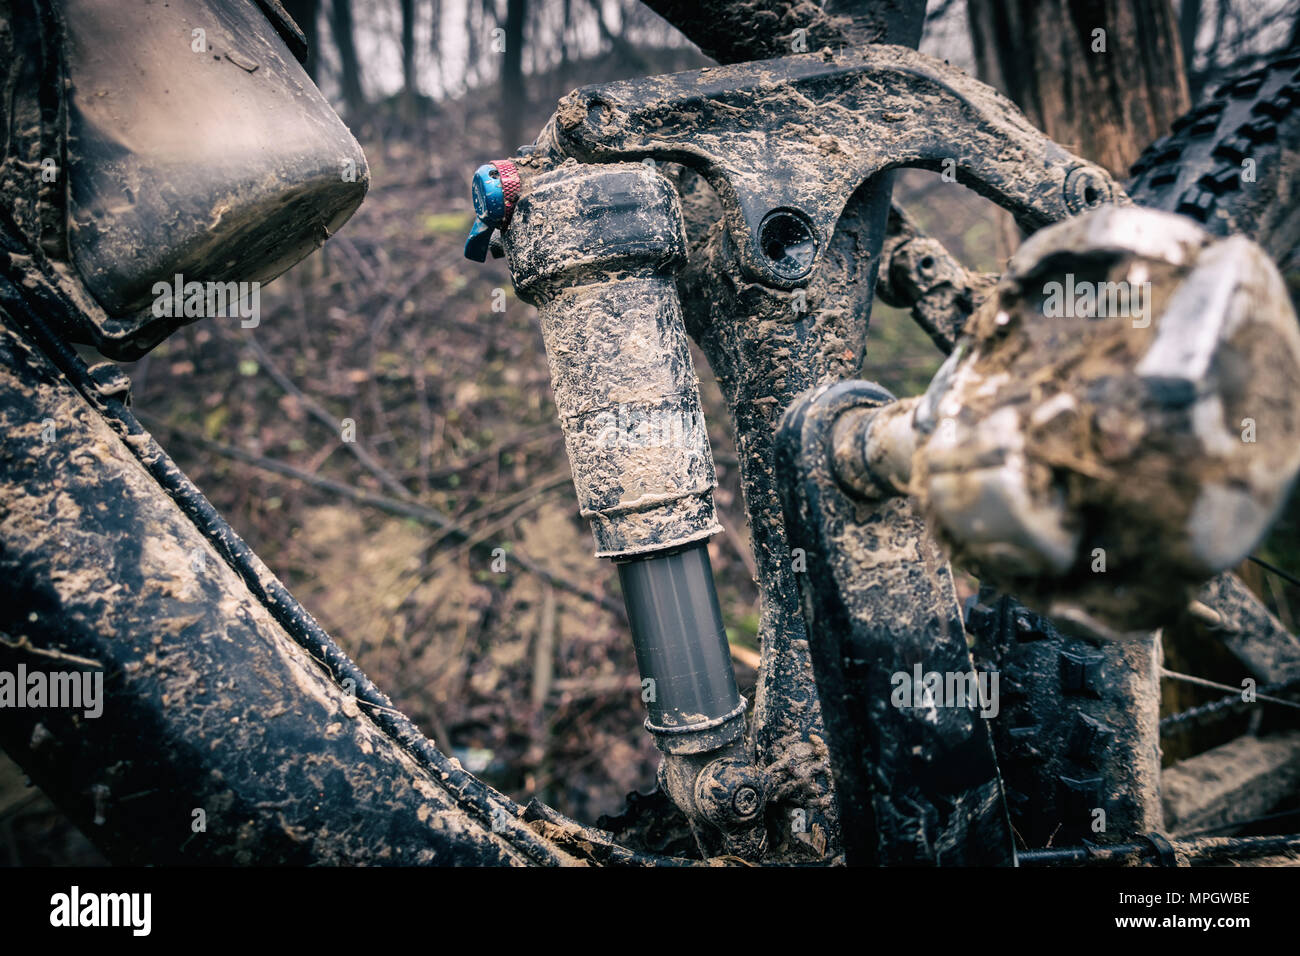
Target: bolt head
{"x": 746, "y": 801}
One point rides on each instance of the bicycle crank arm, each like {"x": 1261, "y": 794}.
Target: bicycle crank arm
{"x": 595, "y": 249}
{"x": 1118, "y": 425}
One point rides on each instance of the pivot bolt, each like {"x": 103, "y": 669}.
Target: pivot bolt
{"x": 731, "y": 793}
{"x": 746, "y": 801}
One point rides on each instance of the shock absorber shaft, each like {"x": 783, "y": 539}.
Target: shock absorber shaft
{"x": 678, "y": 632}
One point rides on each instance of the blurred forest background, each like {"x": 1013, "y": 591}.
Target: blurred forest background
{"x": 393, "y": 541}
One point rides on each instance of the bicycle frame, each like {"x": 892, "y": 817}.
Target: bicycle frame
{"x": 757, "y": 307}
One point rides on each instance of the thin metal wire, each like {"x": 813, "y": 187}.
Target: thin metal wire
{"x": 1289, "y": 578}
{"x": 1202, "y": 682}
{"x": 1230, "y": 702}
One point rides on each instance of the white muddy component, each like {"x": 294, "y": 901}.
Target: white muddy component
{"x": 1103, "y": 462}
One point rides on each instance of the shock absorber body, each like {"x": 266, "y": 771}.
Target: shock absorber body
{"x": 595, "y": 249}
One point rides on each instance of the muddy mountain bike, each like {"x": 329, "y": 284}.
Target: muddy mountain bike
{"x": 748, "y": 207}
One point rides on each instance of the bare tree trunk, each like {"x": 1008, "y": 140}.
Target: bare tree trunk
{"x": 513, "y": 94}
{"x": 1189, "y": 24}
{"x": 626, "y": 51}
{"x": 409, "y": 88}
{"x": 354, "y": 99}
{"x": 564, "y": 37}
{"x": 872, "y": 21}
{"x": 473, "y": 47}
{"x": 1101, "y": 77}
{"x": 304, "y": 14}
{"x": 735, "y": 32}
{"x": 435, "y": 31}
